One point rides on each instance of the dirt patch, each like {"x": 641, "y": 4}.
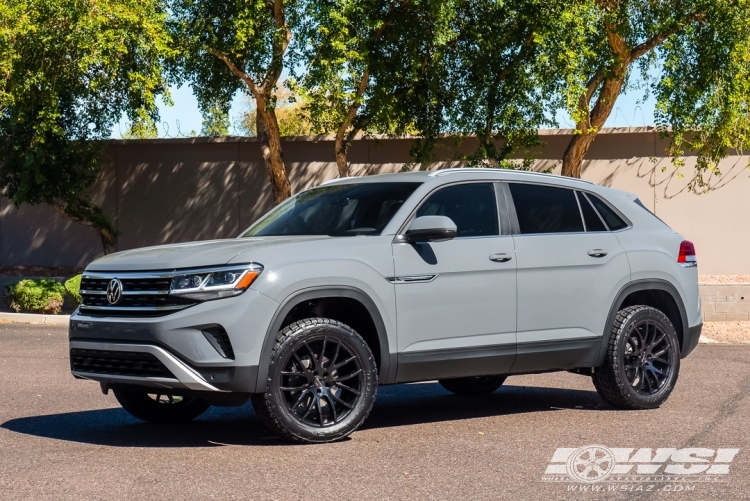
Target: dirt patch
{"x": 727, "y": 332}
{"x": 39, "y": 271}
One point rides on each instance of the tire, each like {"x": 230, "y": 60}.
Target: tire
{"x": 161, "y": 408}
{"x": 472, "y": 386}
{"x": 322, "y": 382}
{"x": 642, "y": 361}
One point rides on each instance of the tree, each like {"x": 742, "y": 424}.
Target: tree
{"x": 215, "y": 119}
{"x": 226, "y": 46}
{"x": 362, "y": 58}
{"x": 70, "y": 69}
{"x": 503, "y": 68}
{"x": 293, "y": 118}
{"x": 700, "y": 51}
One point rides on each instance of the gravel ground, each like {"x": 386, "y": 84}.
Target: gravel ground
{"x": 724, "y": 279}
{"x": 727, "y": 332}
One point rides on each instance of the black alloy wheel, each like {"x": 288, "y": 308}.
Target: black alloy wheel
{"x": 642, "y": 361}
{"x": 322, "y": 382}
{"x": 647, "y": 357}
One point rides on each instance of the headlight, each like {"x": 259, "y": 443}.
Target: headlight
{"x": 215, "y": 283}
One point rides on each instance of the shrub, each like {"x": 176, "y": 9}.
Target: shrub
{"x": 72, "y": 286}
{"x": 35, "y": 296}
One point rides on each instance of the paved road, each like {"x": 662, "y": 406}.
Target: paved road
{"x": 62, "y": 439}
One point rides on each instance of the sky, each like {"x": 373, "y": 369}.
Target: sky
{"x": 184, "y": 116}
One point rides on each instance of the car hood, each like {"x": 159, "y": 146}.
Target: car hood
{"x": 189, "y": 255}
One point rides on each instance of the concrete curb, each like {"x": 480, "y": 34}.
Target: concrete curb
{"x": 33, "y": 318}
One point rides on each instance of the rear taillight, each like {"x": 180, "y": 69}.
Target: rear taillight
{"x": 686, "y": 257}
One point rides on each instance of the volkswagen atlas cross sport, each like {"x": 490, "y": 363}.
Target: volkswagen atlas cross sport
{"x": 465, "y": 276}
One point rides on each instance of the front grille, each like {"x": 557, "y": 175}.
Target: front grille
{"x": 117, "y": 363}
{"x": 141, "y": 297}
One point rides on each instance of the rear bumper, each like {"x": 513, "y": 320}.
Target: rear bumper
{"x": 691, "y": 341}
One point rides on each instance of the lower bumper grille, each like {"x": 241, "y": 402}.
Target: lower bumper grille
{"x": 117, "y": 363}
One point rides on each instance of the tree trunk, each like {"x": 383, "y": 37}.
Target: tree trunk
{"x": 89, "y": 214}
{"x": 587, "y": 129}
{"x": 340, "y": 150}
{"x": 269, "y": 136}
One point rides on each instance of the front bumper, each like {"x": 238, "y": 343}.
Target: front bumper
{"x": 177, "y": 341}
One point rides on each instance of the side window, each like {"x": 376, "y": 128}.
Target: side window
{"x": 590, "y": 217}
{"x": 610, "y": 217}
{"x": 471, "y": 206}
{"x": 546, "y": 209}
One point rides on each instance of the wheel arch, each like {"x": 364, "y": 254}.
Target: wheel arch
{"x": 656, "y": 293}
{"x": 386, "y": 358}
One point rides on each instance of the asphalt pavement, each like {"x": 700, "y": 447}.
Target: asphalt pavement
{"x": 60, "y": 439}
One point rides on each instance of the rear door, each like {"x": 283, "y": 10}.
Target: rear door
{"x": 456, "y": 300}
{"x": 570, "y": 266}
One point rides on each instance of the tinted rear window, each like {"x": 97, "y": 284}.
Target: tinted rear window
{"x": 614, "y": 222}
{"x": 546, "y": 209}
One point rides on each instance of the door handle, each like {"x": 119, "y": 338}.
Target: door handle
{"x": 597, "y": 253}
{"x": 500, "y": 258}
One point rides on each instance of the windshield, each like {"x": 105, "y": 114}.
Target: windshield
{"x": 339, "y": 210}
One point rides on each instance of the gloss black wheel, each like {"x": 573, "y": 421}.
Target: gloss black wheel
{"x": 322, "y": 382}
{"x": 647, "y": 357}
{"x": 642, "y": 361}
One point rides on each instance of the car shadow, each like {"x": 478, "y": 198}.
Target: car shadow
{"x": 398, "y": 405}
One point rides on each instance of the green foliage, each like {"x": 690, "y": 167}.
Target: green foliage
{"x": 72, "y": 288}
{"x": 216, "y": 120}
{"x": 70, "y": 69}
{"x": 35, "y": 296}
{"x": 692, "y": 55}
{"x": 502, "y": 71}
{"x": 243, "y": 31}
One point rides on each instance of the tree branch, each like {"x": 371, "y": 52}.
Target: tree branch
{"x": 235, "y": 70}
{"x": 645, "y": 47}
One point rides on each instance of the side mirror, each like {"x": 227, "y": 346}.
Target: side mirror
{"x": 430, "y": 229}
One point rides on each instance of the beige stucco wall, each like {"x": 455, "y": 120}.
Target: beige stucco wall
{"x": 176, "y": 190}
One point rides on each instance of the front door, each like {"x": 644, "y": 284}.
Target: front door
{"x": 456, "y": 299}
{"x": 569, "y": 269}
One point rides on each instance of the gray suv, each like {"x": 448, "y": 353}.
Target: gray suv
{"x": 466, "y": 276}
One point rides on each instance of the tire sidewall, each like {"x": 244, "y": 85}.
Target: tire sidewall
{"x": 356, "y": 417}
{"x": 653, "y": 315}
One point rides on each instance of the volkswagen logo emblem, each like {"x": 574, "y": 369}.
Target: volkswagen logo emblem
{"x": 114, "y": 291}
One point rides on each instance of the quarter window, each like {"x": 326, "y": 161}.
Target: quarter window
{"x": 610, "y": 217}
{"x": 546, "y": 209}
{"x": 472, "y": 207}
